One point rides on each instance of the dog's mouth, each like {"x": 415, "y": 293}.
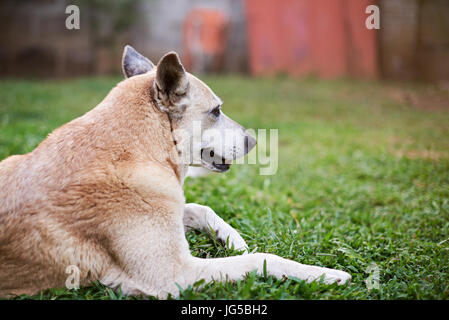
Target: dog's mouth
{"x": 212, "y": 161}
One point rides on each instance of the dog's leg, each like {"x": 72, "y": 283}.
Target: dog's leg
{"x": 158, "y": 261}
{"x": 204, "y": 218}
{"x": 236, "y": 267}
{"x": 186, "y": 270}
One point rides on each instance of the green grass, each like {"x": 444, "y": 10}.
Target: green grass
{"x": 363, "y": 178}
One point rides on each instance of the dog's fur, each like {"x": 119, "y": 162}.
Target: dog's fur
{"x": 104, "y": 193}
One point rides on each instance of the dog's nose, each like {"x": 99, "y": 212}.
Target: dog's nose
{"x": 250, "y": 142}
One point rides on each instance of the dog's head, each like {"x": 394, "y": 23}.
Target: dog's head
{"x": 204, "y": 135}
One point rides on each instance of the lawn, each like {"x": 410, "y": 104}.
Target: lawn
{"x": 362, "y": 181}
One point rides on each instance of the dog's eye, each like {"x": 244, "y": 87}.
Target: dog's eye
{"x": 216, "y": 111}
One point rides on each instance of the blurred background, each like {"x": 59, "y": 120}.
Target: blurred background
{"x": 325, "y": 38}
{"x": 362, "y": 116}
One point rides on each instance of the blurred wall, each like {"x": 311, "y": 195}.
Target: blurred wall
{"x": 162, "y": 29}
{"x": 326, "y": 38}
{"x": 299, "y": 37}
{"x": 414, "y": 39}
{"x": 34, "y": 40}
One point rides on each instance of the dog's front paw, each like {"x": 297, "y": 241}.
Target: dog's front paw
{"x": 233, "y": 239}
{"x": 314, "y": 273}
{"x": 335, "y": 276}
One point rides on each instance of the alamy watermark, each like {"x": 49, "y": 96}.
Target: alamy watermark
{"x": 73, "y": 280}
{"x": 373, "y": 280}
{"x": 73, "y": 20}
{"x": 373, "y": 20}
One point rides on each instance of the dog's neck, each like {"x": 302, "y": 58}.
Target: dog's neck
{"x": 145, "y": 130}
{"x": 174, "y": 121}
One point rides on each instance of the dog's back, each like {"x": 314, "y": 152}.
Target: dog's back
{"x": 37, "y": 221}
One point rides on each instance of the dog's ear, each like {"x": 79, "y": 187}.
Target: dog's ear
{"x": 171, "y": 78}
{"x": 133, "y": 63}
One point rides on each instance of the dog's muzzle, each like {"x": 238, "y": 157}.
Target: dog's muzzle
{"x": 214, "y": 162}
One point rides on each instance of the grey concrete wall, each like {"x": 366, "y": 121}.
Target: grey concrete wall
{"x": 34, "y": 40}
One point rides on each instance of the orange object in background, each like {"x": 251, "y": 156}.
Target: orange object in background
{"x": 327, "y": 38}
{"x": 204, "y": 40}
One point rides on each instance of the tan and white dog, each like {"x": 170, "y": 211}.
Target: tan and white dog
{"x": 104, "y": 193}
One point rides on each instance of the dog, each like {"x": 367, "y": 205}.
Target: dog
{"x": 104, "y": 193}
